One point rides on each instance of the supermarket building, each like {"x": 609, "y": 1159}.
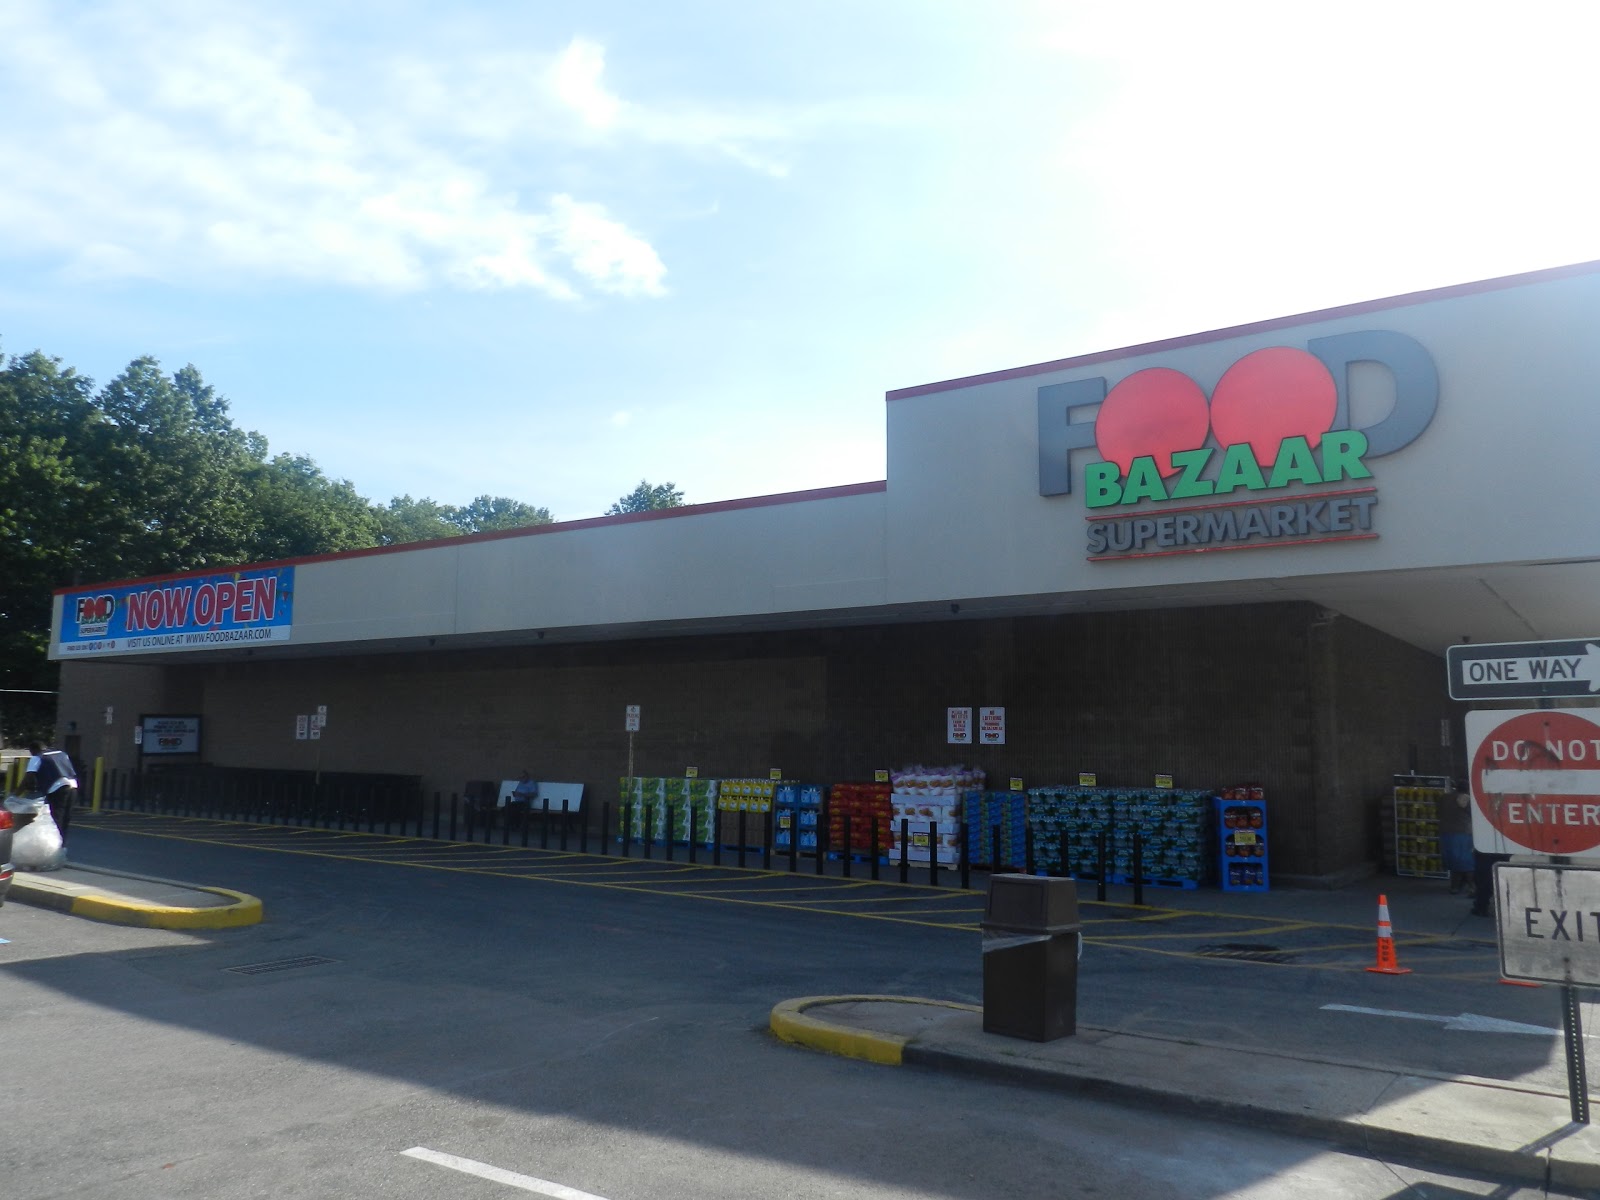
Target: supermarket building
{"x": 1233, "y": 557}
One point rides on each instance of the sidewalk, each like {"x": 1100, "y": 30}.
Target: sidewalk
{"x": 1500, "y": 1129}
{"x": 134, "y": 899}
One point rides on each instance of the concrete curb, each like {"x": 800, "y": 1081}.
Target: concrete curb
{"x": 1538, "y": 1163}
{"x": 789, "y": 1022}
{"x": 1355, "y": 1133}
{"x": 240, "y": 909}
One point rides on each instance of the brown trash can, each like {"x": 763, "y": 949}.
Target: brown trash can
{"x": 1031, "y": 936}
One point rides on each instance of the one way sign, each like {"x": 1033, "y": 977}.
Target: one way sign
{"x": 1524, "y": 670}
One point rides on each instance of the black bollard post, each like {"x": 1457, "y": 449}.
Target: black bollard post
{"x": 627, "y": 829}
{"x": 933, "y": 853}
{"x": 966, "y": 866}
{"x": 1138, "y": 865}
{"x": 452, "y": 816}
{"x": 997, "y": 866}
{"x": 743, "y": 836}
{"x": 544, "y": 825}
{"x": 669, "y": 837}
{"x": 872, "y": 848}
{"x": 1100, "y": 850}
{"x": 905, "y": 850}
{"x": 692, "y": 828}
{"x": 1066, "y": 860}
{"x": 566, "y": 815}
{"x": 437, "y": 805}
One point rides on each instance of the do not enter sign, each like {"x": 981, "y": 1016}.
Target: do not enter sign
{"x": 1535, "y": 778}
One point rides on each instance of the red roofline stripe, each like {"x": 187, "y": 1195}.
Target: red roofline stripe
{"x": 1233, "y": 331}
{"x": 659, "y": 514}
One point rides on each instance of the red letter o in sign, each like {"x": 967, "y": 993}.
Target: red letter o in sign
{"x": 1270, "y": 395}
{"x": 1152, "y": 412}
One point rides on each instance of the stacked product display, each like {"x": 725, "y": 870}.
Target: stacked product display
{"x": 1172, "y": 826}
{"x": 659, "y": 809}
{"x": 1005, "y": 812}
{"x": 1242, "y": 830}
{"x": 745, "y": 795}
{"x": 1080, "y": 813}
{"x": 862, "y": 804}
{"x": 797, "y": 810}
{"x": 1417, "y": 849}
{"x": 929, "y": 799}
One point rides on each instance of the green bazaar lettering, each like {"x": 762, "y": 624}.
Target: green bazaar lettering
{"x": 1337, "y": 458}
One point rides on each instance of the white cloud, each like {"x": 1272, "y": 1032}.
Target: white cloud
{"x": 575, "y": 79}
{"x": 204, "y": 149}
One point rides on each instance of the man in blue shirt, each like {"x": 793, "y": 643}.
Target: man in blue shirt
{"x": 50, "y": 773}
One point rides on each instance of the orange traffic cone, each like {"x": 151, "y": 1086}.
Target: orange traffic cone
{"x": 1388, "y": 964}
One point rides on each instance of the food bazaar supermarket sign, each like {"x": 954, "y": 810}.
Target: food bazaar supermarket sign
{"x": 1270, "y": 458}
{"x": 199, "y": 612}
{"x": 1535, "y": 776}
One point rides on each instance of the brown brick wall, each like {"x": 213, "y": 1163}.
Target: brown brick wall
{"x": 1320, "y": 712}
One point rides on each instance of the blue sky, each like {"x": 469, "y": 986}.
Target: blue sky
{"x": 544, "y": 250}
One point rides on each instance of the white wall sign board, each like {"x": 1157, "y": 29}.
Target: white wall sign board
{"x": 170, "y": 735}
{"x": 302, "y": 727}
{"x": 1549, "y": 923}
{"x": 630, "y": 719}
{"x": 1535, "y": 777}
{"x": 958, "y": 726}
{"x": 992, "y": 726}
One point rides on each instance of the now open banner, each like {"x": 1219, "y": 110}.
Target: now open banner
{"x": 197, "y": 612}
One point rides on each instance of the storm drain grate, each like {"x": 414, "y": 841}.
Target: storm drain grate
{"x": 281, "y": 964}
{"x": 1246, "y": 952}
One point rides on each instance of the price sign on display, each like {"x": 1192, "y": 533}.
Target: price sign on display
{"x": 1016, "y": 784}
{"x": 880, "y": 777}
{"x": 1087, "y": 778}
{"x": 1535, "y": 777}
{"x": 775, "y": 773}
{"x": 1163, "y": 781}
{"x": 691, "y": 772}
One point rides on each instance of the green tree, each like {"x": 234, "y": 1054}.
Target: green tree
{"x": 49, "y": 512}
{"x": 497, "y": 512}
{"x": 408, "y": 520}
{"x": 647, "y": 496}
{"x": 177, "y": 469}
{"x": 297, "y": 510}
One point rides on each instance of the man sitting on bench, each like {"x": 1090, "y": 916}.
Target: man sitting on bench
{"x": 521, "y": 801}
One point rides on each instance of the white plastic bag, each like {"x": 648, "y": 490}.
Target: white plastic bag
{"x": 37, "y": 845}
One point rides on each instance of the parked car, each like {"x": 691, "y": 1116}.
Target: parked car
{"x": 7, "y": 829}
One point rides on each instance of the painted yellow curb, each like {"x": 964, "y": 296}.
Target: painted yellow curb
{"x": 790, "y": 1022}
{"x": 244, "y": 910}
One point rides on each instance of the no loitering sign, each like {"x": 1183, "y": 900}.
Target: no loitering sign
{"x": 1535, "y": 778}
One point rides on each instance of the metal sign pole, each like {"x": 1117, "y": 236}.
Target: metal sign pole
{"x": 1572, "y": 1032}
